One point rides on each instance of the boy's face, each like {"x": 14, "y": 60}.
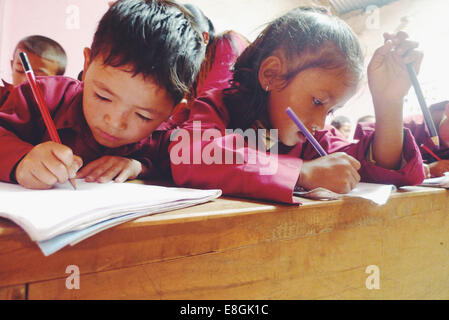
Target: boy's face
{"x": 41, "y": 66}
{"x": 312, "y": 94}
{"x": 121, "y": 108}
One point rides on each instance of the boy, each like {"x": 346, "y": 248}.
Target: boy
{"x": 46, "y": 56}
{"x": 144, "y": 57}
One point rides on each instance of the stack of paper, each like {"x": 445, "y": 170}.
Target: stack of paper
{"x": 52, "y": 217}
{"x": 377, "y": 193}
{"x": 438, "y": 182}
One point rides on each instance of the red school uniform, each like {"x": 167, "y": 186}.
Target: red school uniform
{"x": 419, "y": 130}
{"x": 246, "y": 179}
{"x": 5, "y": 89}
{"x": 22, "y": 127}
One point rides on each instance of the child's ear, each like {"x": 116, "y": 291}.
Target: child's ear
{"x": 86, "y": 53}
{"x": 269, "y": 72}
{"x": 206, "y": 38}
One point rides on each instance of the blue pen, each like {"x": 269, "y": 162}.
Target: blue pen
{"x": 306, "y": 132}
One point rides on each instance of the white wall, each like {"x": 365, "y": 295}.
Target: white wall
{"x": 426, "y": 21}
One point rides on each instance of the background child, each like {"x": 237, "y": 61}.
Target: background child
{"x": 342, "y": 124}
{"x": 222, "y": 51}
{"x": 47, "y": 58}
{"x": 144, "y": 57}
{"x": 311, "y": 62}
{"x": 416, "y": 124}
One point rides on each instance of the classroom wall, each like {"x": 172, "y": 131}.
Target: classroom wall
{"x": 426, "y": 22}
{"x": 70, "y": 22}
{"x": 73, "y": 22}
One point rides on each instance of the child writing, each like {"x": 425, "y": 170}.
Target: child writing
{"x": 311, "y": 62}
{"x": 46, "y": 56}
{"x": 144, "y": 57}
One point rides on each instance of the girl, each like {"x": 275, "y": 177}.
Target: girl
{"x": 222, "y": 51}
{"x": 311, "y": 62}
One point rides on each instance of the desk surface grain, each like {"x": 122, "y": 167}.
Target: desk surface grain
{"x": 234, "y": 248}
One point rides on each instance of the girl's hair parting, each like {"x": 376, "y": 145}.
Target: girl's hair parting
{"x": 319, "y": 39}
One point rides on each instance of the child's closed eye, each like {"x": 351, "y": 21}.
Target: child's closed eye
{"x": 142, "y": 117}
{"x": 101, "y": 98}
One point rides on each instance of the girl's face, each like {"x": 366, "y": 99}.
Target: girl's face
{"x": 312, "y": 94}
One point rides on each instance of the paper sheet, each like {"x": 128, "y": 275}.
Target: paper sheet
{"x": 44, "y": 214}
{"x": 377, "y": 193}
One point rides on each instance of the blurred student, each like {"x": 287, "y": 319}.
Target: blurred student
{"x": 47, "y": 58}
{"x": 222, "y": 50}
{"x": 342, "y": 124}
{"x": 144, "y": 57}
{"x": 368, "y": 118}
{"x": 416, "y": 124}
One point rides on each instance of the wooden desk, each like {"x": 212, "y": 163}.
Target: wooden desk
{"x": 237, "y": 249}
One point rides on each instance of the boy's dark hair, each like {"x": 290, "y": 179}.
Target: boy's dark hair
{"x": 45, "y": 48}
{"x": 337, "y": 122}
{"x": 323, "y": 41}
{"x": 156, "y": 37}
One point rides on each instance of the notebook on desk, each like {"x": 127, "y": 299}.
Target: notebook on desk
{"x": 377, "y": 193}
{"x": 93, "y": 207}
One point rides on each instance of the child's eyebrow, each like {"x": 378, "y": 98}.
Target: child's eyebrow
{"x": 103, "y": 87}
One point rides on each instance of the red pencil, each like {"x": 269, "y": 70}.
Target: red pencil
{"x": 431, "y": 152}
{"x": 41, "y": 103}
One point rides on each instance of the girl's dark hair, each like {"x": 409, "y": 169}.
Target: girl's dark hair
{"x": 156, "y": 37}
{"x": 320, "y": 40}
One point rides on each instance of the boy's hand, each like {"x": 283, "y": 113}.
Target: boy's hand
{"x": 46, "y": 164}
{"x": 388, "y": 78}
{"x": 109, "y": 168}
{"x": 336, "y": 172}
{"x": 438, "y": 168}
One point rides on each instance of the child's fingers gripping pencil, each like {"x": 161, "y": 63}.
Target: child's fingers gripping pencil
{"x": 306, "y": 132}
{"x": 423, "y": 105}
{"x": 41, "y": 103}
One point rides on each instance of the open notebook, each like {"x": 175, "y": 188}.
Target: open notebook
{"x": 438, "y": 182}
{"x": 46, "y": 214}
{"x": 377, "y": 193}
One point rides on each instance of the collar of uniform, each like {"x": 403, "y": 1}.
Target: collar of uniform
{"x": 7, "y": 85}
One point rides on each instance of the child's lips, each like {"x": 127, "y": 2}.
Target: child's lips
{"x": 107, "y": 136}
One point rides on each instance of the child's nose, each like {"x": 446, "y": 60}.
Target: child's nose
{"x": 117, "y": 120}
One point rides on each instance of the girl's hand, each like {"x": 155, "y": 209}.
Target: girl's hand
{"x": 388, "y": 78}
{"x": 336, "y": 172}
{"x": 426, "y": 170}
{"x": 438, "y": 168}
{"x": 46, "y": 164}
{"x": 109, "y": 168}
